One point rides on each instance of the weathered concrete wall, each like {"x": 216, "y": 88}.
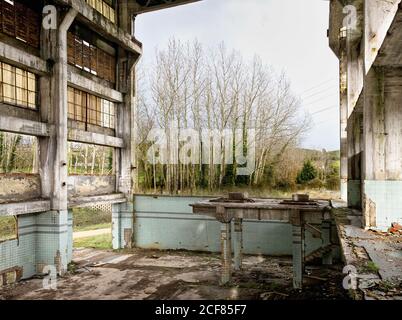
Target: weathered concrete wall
{"x": 168, "y": 223}
{"x": 19, "y": 187}
{"x": 90, "y": 185}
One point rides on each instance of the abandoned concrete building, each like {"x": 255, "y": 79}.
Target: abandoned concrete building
{"x": 369, "y": 51}
{"x": 70, "y": 82}
{"x": 67, "y": 80}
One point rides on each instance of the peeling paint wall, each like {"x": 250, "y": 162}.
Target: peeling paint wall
{"x": 91, "y": 185}
{"x": 19, "y": 187}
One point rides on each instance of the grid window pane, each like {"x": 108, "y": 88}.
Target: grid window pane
{"x": 18, "y": 87}
{"x": 90, "y": 109}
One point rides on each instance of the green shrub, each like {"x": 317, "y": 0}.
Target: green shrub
{"x": 307, "y": 173}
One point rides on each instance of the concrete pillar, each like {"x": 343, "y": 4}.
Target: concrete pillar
{"x": 343, "y": 78}
{"x": 226, "y": 249}
{"x": 382, "y": 158}
{"x": 238, "y": 243}
{"x": 53, "y": 242}
{"x": 326, "y": 241}
{"x": 355, "y": 136}
{"x": 298, "y": 248}
{"x": 122, "y": 225}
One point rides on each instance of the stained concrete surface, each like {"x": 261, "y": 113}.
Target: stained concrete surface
{"x": 376, "y": 255}
{"x": 176, "y": 275}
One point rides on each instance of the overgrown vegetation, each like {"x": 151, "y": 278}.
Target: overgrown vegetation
{"x": 88, "y": 159}
{"x": 8, "y": 227}
{"x": 18, "y": 153}
{"x": 91, "y": 219}
{"x": 219, "y": 91}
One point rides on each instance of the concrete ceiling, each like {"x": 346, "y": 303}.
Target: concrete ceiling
{"x": 143, "y": 6}
{"x": 390, "y": 53}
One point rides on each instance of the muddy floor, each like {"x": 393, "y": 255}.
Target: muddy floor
{"x": 176, "y": 275}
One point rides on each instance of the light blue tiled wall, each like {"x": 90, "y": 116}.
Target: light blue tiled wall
{"x": 122, "y": 218}
{"x": 387, "y": 196}
{"x": 168, "y": 223}
{"x": 41, "y": 236}
{"x": 21, "y": 252}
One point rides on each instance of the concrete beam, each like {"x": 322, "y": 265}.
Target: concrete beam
{"x": 138, "y": 9}
{"x": 22, "y": 59}
{"x": 22, "y": 126}
{"x": 94, "y": 138}
{"x": 83, "y": 83}
{"x": 378, "y": 17}
{"x": 390, "y": 53}
{"x": 103, "y": 26}
{"x": 80, "y": 202}
{"x": 20, "y": 208}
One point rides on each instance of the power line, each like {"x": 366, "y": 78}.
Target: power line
{"x": 325, "y": 109}
{"x": 318, "y": 92}
{"x": 322, "y": 98}
{"x": 317, "y": 86}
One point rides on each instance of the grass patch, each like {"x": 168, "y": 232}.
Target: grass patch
{"x": 8, "y": 228}
{"x": 93, "y": 227}
{"x": 103, "y": 241}
{"x": 86, "y": 218}
{"x": 371, "y": 267}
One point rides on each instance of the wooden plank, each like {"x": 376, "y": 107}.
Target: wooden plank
{"x": 8, "y": 19}
{"x": 21, "y": 22}
{"x": 34, "y": 26}
{"x": 70, "y": 48}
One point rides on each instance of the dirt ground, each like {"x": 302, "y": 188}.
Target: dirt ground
{"x": 176, "y": 275}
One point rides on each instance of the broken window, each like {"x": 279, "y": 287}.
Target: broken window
{"x": 89, "y": 159}
{"x": 8, "y": 228}
{"x": 86, "y": 56}
{"x": 105, "y": 7}
{"x": 18, "y": 87}
{"x": 18, "y": 153}
{"x": 20, "y": 21}
{"x": 90, "y": 109}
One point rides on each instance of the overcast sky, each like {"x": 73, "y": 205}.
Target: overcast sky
{"x": 290, "y": 35}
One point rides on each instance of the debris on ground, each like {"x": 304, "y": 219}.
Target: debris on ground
{"x": 396, "y": 229}
{"x": 136, "y": 274}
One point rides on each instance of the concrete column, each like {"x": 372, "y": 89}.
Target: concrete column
{"x": 238, "y": 243}
{"x": 343, "y": 77}
{"x": 122, "y": 226}
{"x": 226, "y": 249}
{"x": 53, "y": 244}
{"x": 355, "y": 133}
{"x": 298, "y": 249}
{"x": 326, "y": 241}
{"x": 382, "y": 158}
{"x": 52, "y": 241}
